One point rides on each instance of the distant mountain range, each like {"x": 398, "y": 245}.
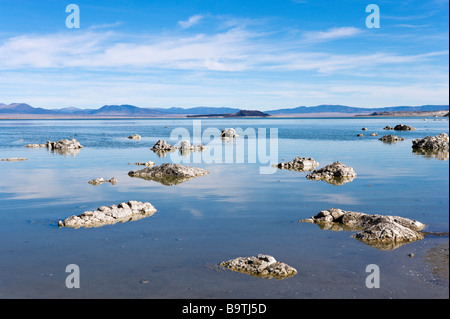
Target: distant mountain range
{"x": 241, "y": 113}
{"x": 22, "y": 110}
{"x": 350, "y": 110}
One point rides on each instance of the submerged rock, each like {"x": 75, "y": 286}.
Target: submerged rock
{"x": 13, "y": 159}
{"x": 387, "y": 127}
{"x": 134, "y": 137}
{"x": 169, "y": 174}
{"x": 148, "y": 163}
{"x": 264, "y": 266}
{"x": 185, "y": 146}
{"x": 35, "y": 145}
{"x": 299, "y": 164}
{"x": 335, "y": 173}
{"x": 373, "y": 134}
{"x": 438, "y": 142}
{"x": 391, "y": 138}
{"x": 401, "y": 127}
{"x": 133, "y": 210}
{"x": 380, "y": 231}
{"x": 101, "y": 180}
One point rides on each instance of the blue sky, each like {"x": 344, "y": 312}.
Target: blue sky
{"x": 247, "y": 54}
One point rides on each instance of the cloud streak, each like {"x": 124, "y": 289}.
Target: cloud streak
{"x": 331, "y": 34}
{"x": 193, "y": 20}
{"x": 232, "y": 65}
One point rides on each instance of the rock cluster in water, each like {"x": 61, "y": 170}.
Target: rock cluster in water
{"x": 391, "y": 138}
{"x": 162, "y": 147}
{"x": 186, "y": 146}
{"x": 64, "y": 144}
{"x": 335, "y": 173}
{"x": 381, "y": 231}
{"x": 168, "y": 173}
{"x": 101, "y": 180}
{"x": 438, "y": 142}
{"x": 133, "y": 210}
{"x": 401, "y": 127}
{"x": 299, "y": 164}
{"x": 260, "y": 266}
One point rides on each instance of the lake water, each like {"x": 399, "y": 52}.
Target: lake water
{"x": 233, "y": 211}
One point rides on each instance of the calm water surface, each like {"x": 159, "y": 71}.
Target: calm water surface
{"x": 234, "y": 211}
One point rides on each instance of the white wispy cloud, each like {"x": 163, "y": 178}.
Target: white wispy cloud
{"x": 232, "y": 50}
{"x": 331, "y": 34}
{"x": 193, "y": 20}
{"x": 232, "y": 64}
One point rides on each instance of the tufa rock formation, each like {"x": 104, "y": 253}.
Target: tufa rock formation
{"x": 391, "y": 138}
{"x": 264, "y": 266}
{"x": 133, "y": 210}
{"x": 169, "y": 174}
{"x": 380, "y": 231}
{"x": 438, "y": 142}
{"x": 300, "y": 164}
{"x": 336, "y": 174}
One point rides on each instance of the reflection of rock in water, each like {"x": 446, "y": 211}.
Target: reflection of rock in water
{"x": 65, "y": 151}
{"x": 163, "y": 153}
{"x": 379, "y": 231}
{"x": 168, "y": 181}
{"x": 427, "y": 153}
{"x": 169, "y": 174}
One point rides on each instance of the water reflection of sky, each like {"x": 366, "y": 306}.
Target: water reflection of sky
{"x": 232, "y": 211}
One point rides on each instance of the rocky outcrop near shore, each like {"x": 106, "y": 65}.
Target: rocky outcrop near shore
{"x": 335, "y": 173}
{"x": 133, "y": 210}
{"x": 380, "y": 231}
{"x": 169, "y": 174}
{"x": 264, "y": 266}
{"x": 300, "y": 164}
{"x": 438, "y": 142}
{"x": 391, "y": 138}
{"x": 101, "y": 180}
